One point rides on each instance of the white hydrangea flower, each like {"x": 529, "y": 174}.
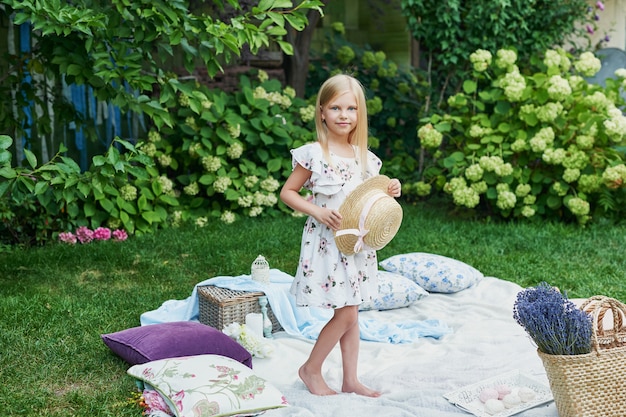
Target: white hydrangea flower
{"x": 558, "y": 88}
{"x": 263, "y": 76}
{"x": 506, "y": 200}
{"x": 429, "y": 136}
{"x": 235, "y": 150}
{"x": 194, "y": 148}
{"x": 221, "y": 184}
{"x": 128, "y": 192}
{"x": 245, "y": 200}
{"x": 154, "y": 136}
{"x": 554, "y": 156}
{"x": 620, "y": 73}
{"x": 466, "y": 196}
{"x": 250, "y": 181}
{"x": 228, "y": 217}
{"x": 255, "y": 211}
{"x": 522, "y": 190}
{"x": 578, "y": 206}
{"x": 615, "y": 126}
{"x": 519, "y": 145}
{"x": 307, "y": 113}
{"x": 192, "y": 189}
{"x": 164, "y": 160}
{"x": 571, "y": 174}
{"x": 542, "y": 139}
{"x": 202, "y": 221}
{"x": 576, "y": 82}
{"x": 481, "y": 59}
{"x": 211, "y": 163}
{"x": 474, "y": 172}
{"x": 549, "y": 111}
{"x": 513, "y": 84}
{"x": 552, "y": 59}
{"x": 505, "y": 58}
{"x": 270, "y": 184}
{"x": 528, "y": 211}
{"x": 167, "y": 185}
{"x": 530, "y": 199}
{"x": 588, "y": 65}
{"x": 585, "y": 141}
{"x": 480, "y": 187}
{"x": 234, "y": 131}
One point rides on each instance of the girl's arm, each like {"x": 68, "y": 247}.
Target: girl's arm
{"x": 290, "y": 195}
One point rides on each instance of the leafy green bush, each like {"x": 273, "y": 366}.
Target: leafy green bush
{"x": 542, "y": 143}
{"x": 228, "y": 154}
{"x": 449, "y": 31}
{"x": 395, "y": 99}
{"x": 121, "y": 189}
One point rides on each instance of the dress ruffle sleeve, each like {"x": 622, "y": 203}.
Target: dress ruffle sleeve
{"x": 326, "y": 178}
{"x": 323, "y": 179}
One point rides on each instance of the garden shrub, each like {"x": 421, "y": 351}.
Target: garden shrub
{"x": 542, "y": 142}
{"x": 121, "y": 189}
{"x": 228, "y": 154}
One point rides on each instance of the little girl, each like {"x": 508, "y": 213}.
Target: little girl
{"x": 331, "y": 168}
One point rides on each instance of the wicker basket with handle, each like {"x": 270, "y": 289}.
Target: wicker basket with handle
{"x": 220, "y": 307}
{"x": 593, "y": 384}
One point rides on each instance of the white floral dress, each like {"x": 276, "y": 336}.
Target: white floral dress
{"x": 325, "y": 277}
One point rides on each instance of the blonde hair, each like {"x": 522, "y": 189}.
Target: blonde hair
{"x": 332, "y": 87}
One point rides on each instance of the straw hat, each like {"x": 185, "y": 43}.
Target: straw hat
{"x": 370, "y": 217}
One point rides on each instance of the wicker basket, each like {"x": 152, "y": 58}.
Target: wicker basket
{"x": 220, "y": 307}
{"x": 593, "y": 384}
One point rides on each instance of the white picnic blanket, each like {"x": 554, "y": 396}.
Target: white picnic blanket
{"x": 485, "y": 342}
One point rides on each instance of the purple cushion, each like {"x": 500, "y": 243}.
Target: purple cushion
{"x": 143, "y": 344}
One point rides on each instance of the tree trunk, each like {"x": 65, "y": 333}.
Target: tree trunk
{"x": 296, "y": 66}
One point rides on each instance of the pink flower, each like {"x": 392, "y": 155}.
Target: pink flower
{"x": 102, "y": 233}
{"x": 154, "y": 402}
{"x": 68, "y": 237}
{"x": 84, "y": 234}
{"x": 590, "y": 29}
{"x": 600, "y": 5}
{"x": 120, "y": 235}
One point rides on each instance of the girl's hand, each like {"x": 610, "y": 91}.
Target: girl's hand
{"x": 395, "y": 188}
{"x": 328, "y": 217}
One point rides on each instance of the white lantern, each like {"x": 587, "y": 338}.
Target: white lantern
{"x": 260, "y": 270}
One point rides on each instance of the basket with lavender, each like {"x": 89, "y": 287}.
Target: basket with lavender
{"x": 555, "y": 324}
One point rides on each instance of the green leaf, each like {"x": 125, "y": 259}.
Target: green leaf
{"x": 31, "y": 158}
{"x": 469, "y": 86}
{"x": 274, "y": 165}
{"x": 5, "y": 141}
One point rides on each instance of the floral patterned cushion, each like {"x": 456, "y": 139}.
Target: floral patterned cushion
{"x": 394, "y": 291}
{"x": 434, "y": 273}
{"x": 208, "y": 385}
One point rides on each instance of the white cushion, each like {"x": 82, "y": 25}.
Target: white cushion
{"x": 434, "y": 273}
{"x": 208, "y": 385}
{"x": 394, "y": 291}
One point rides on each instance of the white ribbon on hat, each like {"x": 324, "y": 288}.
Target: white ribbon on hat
{"x": 361, "y": 231}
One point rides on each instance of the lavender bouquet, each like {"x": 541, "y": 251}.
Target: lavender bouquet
{"x": 554, "y": 323}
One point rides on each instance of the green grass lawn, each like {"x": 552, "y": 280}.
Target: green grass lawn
{"x": 55, "y": 301}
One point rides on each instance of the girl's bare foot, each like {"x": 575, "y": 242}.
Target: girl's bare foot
{"x": 360, "y": 389}
{"x": 315, "y": 382}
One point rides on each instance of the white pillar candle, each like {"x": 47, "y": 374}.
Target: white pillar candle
{"x": 254, "y": 322}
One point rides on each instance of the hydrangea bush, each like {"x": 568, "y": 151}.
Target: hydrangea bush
{"x": 228, "y": 154}
{"x": 541, "y": 142}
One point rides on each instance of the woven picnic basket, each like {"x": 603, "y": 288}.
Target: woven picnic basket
{"x": 593, "y": 384}
{"x": 219, "y": 307}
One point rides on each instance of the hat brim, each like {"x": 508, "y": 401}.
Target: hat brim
{"x": 381, "y": 222}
